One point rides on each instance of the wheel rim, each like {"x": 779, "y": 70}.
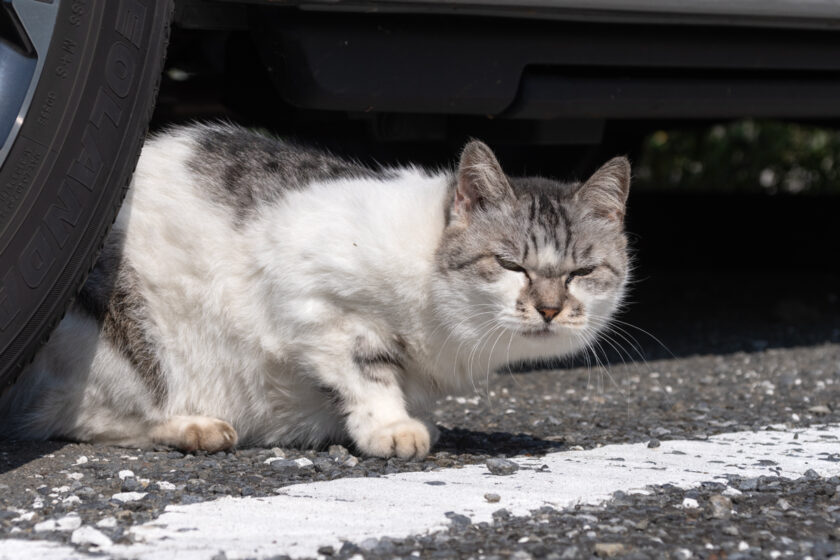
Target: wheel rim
{"x": 26, "y": 30}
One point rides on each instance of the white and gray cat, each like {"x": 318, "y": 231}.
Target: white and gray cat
{"x": 258, "y": 292}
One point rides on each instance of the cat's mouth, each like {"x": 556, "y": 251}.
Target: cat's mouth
{"x": 538, "y": 333}
{"x": 547, "y": 331}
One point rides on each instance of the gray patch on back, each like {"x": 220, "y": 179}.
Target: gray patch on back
{"x": 243, "y": 170}
{"x": 111, "y": 296}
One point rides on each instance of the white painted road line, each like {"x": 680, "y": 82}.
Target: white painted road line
{"x": 303, "y": 517}
{"x": 16, "y": 549}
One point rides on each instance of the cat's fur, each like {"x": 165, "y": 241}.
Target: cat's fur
{"x": 255, "y": 291}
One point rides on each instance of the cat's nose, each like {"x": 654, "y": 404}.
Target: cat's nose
{"x": 548, "y": 313}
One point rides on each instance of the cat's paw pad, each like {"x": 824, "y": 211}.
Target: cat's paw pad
{"x": 207, "y": 434}
{"x": 194, "y": 433}
{"x": 405, "y": 439}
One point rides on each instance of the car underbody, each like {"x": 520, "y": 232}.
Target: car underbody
{"x": 594, "y": 78}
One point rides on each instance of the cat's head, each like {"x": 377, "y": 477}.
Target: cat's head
{"x": 541, "y": 261}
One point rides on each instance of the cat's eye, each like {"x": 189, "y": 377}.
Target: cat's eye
{"x": 510, "y": 265}
{"x": 580, "y": 272}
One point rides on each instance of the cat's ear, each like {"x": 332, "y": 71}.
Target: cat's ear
{"x": 481, "y": 181}
{"x": 605, "y": 193}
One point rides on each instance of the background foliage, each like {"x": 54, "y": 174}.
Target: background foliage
{"x": 743, "y": 156}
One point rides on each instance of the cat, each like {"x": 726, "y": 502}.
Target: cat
{"x": 256, "y": 292}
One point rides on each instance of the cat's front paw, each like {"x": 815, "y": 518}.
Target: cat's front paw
{"x": 193, "y": 433}
{"x": 208, "y": 434}
{"x": 405, "y": 439}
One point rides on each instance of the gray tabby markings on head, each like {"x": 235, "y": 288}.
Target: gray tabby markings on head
{"x": 529, "y": 214}
{"x": 243, "y": 170}
{"x": 547, "y": 213}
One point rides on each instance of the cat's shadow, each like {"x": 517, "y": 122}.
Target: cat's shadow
{"x": 453, "y": 441}
{"x": 15, "y": 454}
{"x": 460, "y": 441}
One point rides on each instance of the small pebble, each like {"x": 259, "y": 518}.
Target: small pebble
{"x": 690, "y": 503}
{"x": 720, "y": 506}
{"x": 283, "y": 465}
{"x": 130, "y": 484}
{"x": 338, "y": 451}
{"x": 368, "y": 544}
{"x": 128, "y": 496}
{"x": 87, "y": 535}
{"x": 730, "y": 530}
{"x": 107, "y": 522}
{"x": 86, "y": 493}
{"x": 654, "y": 443}
{"x": 457, "y": 519}
{"x": 492, "y": 498}
{"x": 501, "y": 467}
{"x": 69, "y": 522}
{"x": 384, "y": 547}
{"x": 501, "y": 515}
{"x": 732, "y": 492}
{"x": 811, "y": 474}
{"x": 608, "y": 550}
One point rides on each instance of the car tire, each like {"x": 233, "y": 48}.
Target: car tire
{"x": 72, "y": 157}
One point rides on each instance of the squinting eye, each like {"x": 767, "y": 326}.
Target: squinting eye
{"x": 510, "y": 265}
{"x": 580, "y": 272}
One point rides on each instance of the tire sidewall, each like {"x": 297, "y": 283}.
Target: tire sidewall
{"x": 69, "y": 167}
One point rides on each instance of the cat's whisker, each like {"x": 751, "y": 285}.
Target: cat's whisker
{"x": 610, "y": 328}
{"x": 587, "y": 353}
{"x": 458, "y": 351}
{"x": 443, "y": 325}
{"x": 606, "y": 369}
{"x": 588, "y": 365}
{"x": 610, "y": 324}
{"x": 600, "y": 366}
{"x": 490, "y": 358}
{"x": 637, "y": 347}
{"x": 629, "y": 339}
{"x": 604, "y": 332}
{"x": 618, "y": 349}
{"x": 477, "y": 349}
{"x": 452, "y": 332}
{"x": 643, "y": 331}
